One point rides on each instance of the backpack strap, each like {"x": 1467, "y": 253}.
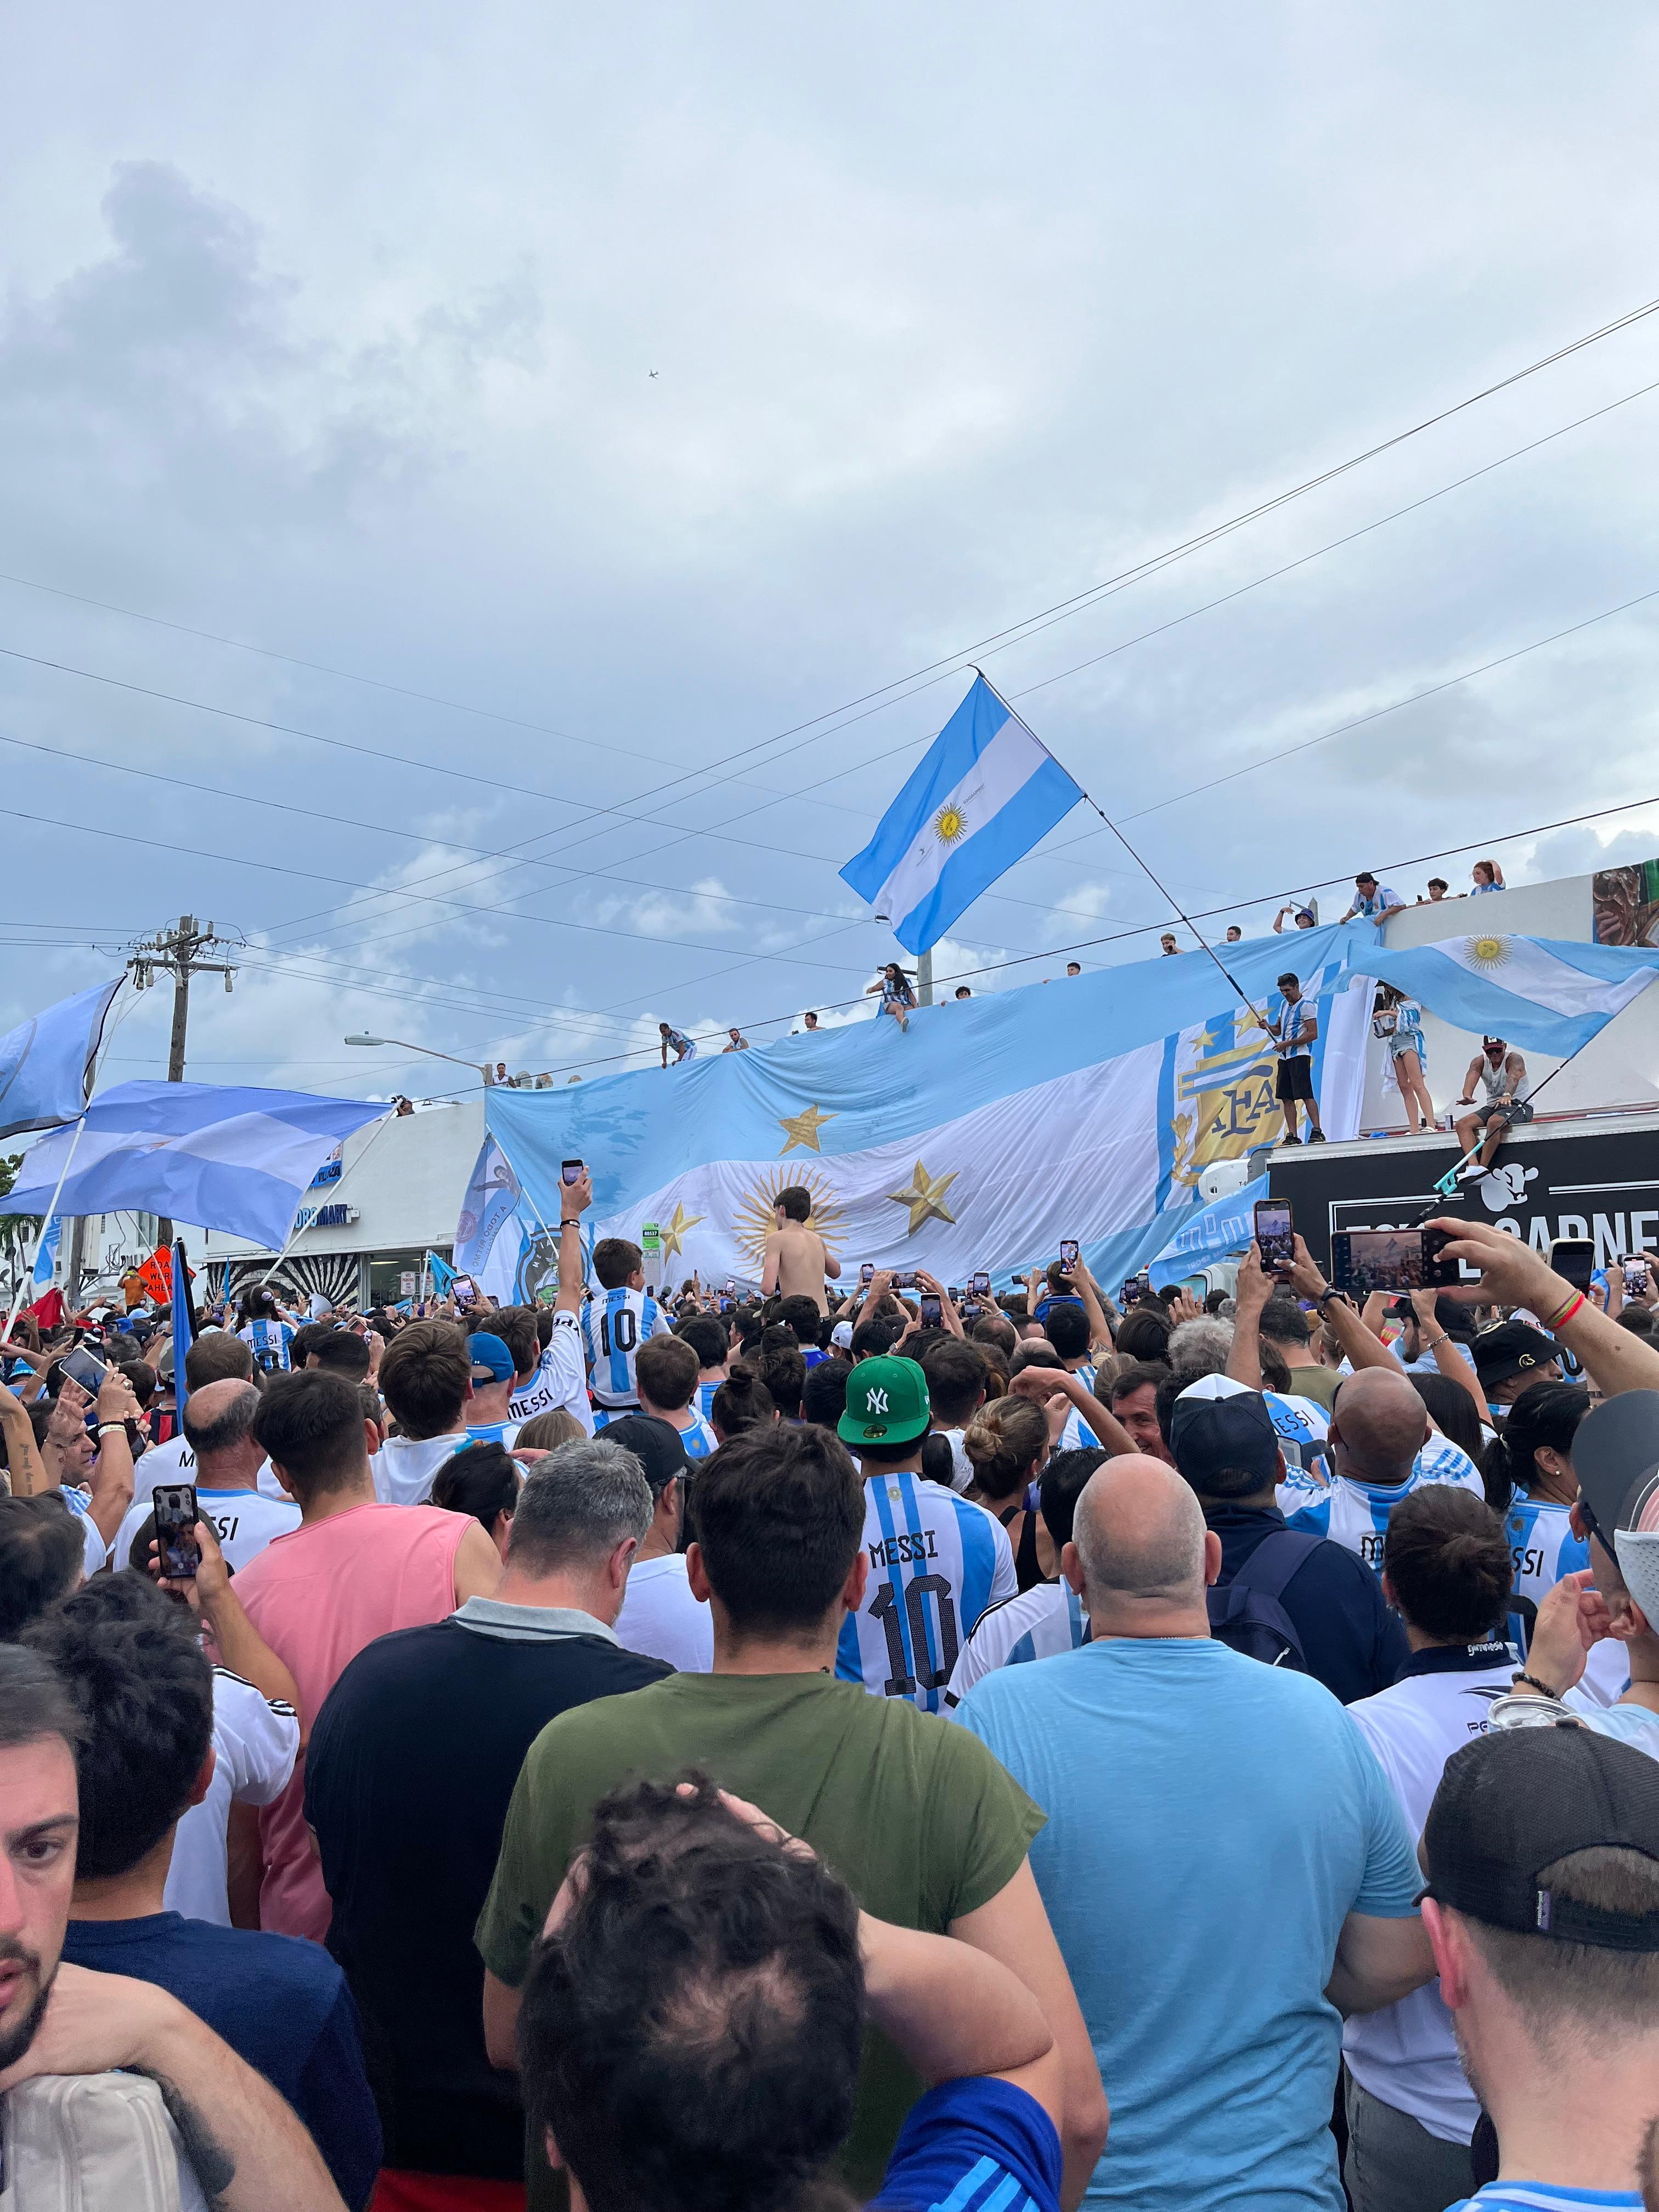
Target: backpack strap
{"x": 1274, "y": 1562}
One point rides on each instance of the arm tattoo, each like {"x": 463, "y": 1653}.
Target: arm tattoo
{"x": 214, "y": 2165}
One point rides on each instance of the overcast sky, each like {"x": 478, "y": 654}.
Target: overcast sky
{"x": 642, "y": 386}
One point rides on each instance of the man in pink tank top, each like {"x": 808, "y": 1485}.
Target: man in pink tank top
{"x": 352, "y": 1571}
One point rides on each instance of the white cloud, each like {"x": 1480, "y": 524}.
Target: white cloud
{"x": 334, "y": 348}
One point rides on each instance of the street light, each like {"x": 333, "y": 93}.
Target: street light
{"x": 403, "y": 1045}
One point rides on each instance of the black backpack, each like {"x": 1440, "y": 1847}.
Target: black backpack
{"x": 1245, "y": 1613}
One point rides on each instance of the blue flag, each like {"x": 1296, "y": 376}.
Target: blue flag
{"x": 45, "y": 1252}
{"x": 218, "y": 1155}
{"x": 983, "y": 795}
{"x": 1215, "y": 1232}
{"x": 183, "y": 1335}
{"x": 46, "y": 1063}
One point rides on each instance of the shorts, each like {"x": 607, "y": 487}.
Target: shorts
{"x": 1295, "y": 1078}
{"x": 1507, "y": 1116}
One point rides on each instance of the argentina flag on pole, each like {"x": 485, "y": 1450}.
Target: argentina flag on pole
{"x": 1543, "y": 994}
{"x": 982, "y": 797}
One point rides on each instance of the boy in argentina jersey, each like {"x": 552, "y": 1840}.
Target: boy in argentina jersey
{"x": 936, "y": 1561}
{"x": 1381, "y": 1447}
{"x": 666, "y": 1370}
{"x": 620, "y": 1317}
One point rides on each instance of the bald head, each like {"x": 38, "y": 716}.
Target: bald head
{"x": 219, "y": 1429}
{"x": 1379, "y": 1426}
{"x": 1139, "y": 1538}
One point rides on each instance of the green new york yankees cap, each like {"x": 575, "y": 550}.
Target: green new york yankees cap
{"x": 886, "y": 1403}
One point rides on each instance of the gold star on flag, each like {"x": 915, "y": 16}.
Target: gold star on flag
{"x": 673, "y": 1233}
{"x": 802, "y": 1129}
{"x": 925, "y": 1198}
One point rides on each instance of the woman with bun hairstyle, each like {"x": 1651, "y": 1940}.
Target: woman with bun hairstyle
{"x": 1529, "y": 1477}
{"x": 742, "y": 1402}
{"x": 1006, "y": 1443}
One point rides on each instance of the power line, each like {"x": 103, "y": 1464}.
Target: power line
{"x": 264, "y": 802}
{"x": 994, "y": 641}
{"x": 1489, "y": 841}
{"x": 1429, "y": 691}
{"x": 1157, "y": 629}
{"x": 312, "y": 875}
{"x": 408, "y": 893}
{"x": 1411, "y": 700}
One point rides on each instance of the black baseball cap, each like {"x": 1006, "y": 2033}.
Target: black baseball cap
{"x": 656, "y": 1445}
{"x": 1513, "y": 1347}
{"x": 1211, "y": 1429}
{"x": 1517, "y": 1799}
{"x": 1615, "y": 1456}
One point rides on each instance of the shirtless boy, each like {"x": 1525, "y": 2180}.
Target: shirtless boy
{"x": 796, "y": 1261}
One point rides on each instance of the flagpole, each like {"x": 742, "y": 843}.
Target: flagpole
{"x": 1162, "y": 890}
{"x": 298, "y": 1228}
{"x": 17, "y": 1302}
{"x": 89, "y": 1081}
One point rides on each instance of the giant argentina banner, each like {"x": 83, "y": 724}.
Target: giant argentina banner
{"x": 1087, "y": 1108}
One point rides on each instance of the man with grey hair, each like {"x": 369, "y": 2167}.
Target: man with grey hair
{"x": 218, "y": 1428}
{"x": 412, "y": 1765}
{"x": 1225, "y": 1865}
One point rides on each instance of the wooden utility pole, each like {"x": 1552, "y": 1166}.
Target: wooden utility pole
{"x": 175, "y": 951}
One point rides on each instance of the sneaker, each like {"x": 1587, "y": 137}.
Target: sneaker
{"x": 1315, "y": 1136}
{"x": 1290, "y": 1140}
{"x": 1471, "y": 1171}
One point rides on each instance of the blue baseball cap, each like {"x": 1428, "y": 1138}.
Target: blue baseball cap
{"x": 492, "y": 1360}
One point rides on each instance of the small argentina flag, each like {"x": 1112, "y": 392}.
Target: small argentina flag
{"x": 982, "y": 797}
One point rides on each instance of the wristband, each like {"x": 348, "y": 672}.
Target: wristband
{"x": 1532, "y": 1682}
{"x": 1557, "y": 1320}
{"x": 103, "y": 1425}
{"x": 570, "y": 1225}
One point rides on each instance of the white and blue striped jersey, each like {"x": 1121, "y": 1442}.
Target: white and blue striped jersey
{"x": 1301, "y": 1425}
{"x": 1077, "y": 1435}
{"x": 1356, "y": 1514}
{"x": 615, "y": 1324}
{"x": 936, "y": 1562}
{"x": 1040, "y": 1622}
{"x": 706, "y": 1396}
{"x": 1542, "y": 1545}
{"x": 269, "y": 1341}
{"x": 699, "y": 1438}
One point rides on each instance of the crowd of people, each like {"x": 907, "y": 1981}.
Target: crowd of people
{"x": 875, "y": 1742}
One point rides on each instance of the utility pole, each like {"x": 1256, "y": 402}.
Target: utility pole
{"x": 175, "y": 951}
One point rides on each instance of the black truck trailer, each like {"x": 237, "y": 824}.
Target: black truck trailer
{"x": 1593, "y": 1175}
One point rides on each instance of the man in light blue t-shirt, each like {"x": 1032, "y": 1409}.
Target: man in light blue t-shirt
{"x": 1222, "y": 1851}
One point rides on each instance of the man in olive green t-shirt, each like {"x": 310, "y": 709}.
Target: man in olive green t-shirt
{"x": 927, "y": 1829}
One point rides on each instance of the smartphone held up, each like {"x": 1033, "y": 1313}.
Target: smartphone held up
{"x": 1275, "y": 1237}
{"x": 179, "y": 1556}
{"x": 1367, "y": 1260}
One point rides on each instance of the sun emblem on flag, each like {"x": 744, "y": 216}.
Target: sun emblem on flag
{"x": 755, "y": 1219}
{"x": 1487, "y": 953}
{"x": 949, "y": 825}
